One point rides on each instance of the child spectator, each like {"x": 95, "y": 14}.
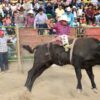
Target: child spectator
{"x": 76, "y": 23}
{"x": 79, "y": 12}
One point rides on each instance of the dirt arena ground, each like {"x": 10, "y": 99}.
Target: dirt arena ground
{"x": 56, "y": 83}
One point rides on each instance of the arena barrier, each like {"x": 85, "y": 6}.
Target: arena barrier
{"x": 93, "y": 32}
{"x": 29, "y": 36}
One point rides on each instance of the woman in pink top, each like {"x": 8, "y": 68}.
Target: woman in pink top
{"x": 29, "y": 20}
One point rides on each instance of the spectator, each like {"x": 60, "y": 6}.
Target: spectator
{"x": 8, "y": 23}
{"x": 3, "y": 52}
{"x": 29, "y": 20}
{"x": 7, "y": 10}
{"x": 68, "y": 2}
{"x": 94, "y": 2}
{"x": 1, "y": 11}
{"x": 14, "y": 18}
{"x": 80, "y": 12}
{"x": 87, "y": 1}
{"x": 76, "y": 23}
{"x": 20, "y": 17}
{"x": 97, "y": 17}
{"x": 80, "y": 3}
{"x": 1, "y": 23}
{"x": 83, "y": 20}
{"x": 69, "y": 15}
{"x": 27, "y": 5}
{"x": 6, "y": 1}
{"x": 49, "y": 8}
{"x": 1, "y": 1}
{"x": 13, "y": 7}
{"x": 50, "y": 24}
{"x": 39, "y": 4}
{"x": 7, "y": 20}
{"x": 74, "y": 11}
{"x": 12, "y": 46}
{"x": 59, "y": 11}
{"x": 40, "y": 21}
{"x": 90, "y": 15}
{"x": 98, "y": 3}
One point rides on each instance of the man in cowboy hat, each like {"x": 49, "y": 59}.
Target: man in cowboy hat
{"x": 62, "y": 30}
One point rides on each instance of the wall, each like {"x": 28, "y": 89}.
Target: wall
{"x": 30, "y": 36}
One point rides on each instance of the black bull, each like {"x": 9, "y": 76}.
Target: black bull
{"x": 86, "y": 54}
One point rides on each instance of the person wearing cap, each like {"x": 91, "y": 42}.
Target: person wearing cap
{"x": 69, "y": 15}
{"x": 3, "y": 52}
{"x": 29, "y": 19}
{"x": 40, "y": 21}
{"x": 62, "y": 30}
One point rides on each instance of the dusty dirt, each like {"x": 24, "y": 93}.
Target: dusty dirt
{"x": 56, "y": 83}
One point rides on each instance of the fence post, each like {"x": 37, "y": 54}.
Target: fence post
{"x": 18, "y": 49}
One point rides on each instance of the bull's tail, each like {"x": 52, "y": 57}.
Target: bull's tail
{"x": 28, "y": 48}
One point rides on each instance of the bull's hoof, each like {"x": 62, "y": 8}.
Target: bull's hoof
{"x": 28, "y": 87}
{"x": 25, "y": 95}
{"x": 79, "y": 90}
{"x": 95, "y": 90}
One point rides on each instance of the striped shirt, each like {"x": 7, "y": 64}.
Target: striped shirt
{"x": 3, "y": 44}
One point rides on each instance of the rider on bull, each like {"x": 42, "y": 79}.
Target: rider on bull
{"x": 62, "y": 30}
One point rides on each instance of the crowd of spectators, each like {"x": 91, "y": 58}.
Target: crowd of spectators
{"x": 45, "y": 13}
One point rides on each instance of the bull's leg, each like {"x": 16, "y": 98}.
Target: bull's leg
{"x": 78, "y": 65}
{"x": 33, "y": 74}
{"x": 30, "y": 74}
{"x": 91, "y": 76}
{"x": 79, "y": 76}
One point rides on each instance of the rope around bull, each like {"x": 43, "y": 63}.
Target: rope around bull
{"x": 71, "y": 51}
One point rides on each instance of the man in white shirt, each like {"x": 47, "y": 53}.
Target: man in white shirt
{"x": 3, "y": 52}
{"x": 40, "y": 21}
